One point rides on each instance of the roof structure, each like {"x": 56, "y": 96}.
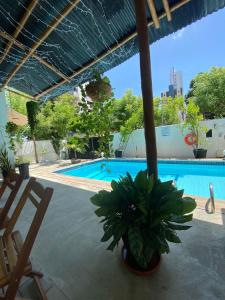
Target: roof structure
{"x": 49, "y": 46}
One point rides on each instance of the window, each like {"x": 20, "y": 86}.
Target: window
{"x": 209, "y": 133}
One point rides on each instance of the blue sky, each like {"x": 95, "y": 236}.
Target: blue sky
{"x": 194, "y": 49}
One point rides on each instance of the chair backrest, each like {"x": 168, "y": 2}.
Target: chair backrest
{"x": 13, "y": 182}
{"x": 32, "y": 191}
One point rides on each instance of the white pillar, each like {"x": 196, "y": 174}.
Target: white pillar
{"x": 3, "y": 117}
{"x": 4, "y": 141}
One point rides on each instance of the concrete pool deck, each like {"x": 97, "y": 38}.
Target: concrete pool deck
{"x": 77, "y": 266}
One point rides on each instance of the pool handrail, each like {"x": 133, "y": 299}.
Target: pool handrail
{"x": 210, "y": 201}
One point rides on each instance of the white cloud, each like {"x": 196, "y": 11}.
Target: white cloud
{"x": 178, "y": 34}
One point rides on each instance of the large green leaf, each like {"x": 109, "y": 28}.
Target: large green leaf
{"x": 102, "y": 211}
{"x": 100, "y": 198}
{"x": 130, "y": 179}
{"x": 162, "y": 188}
{"x": 158, "y": 243}
{"x": 108, "y": 234}
{"x": 171, "y": 236}
{"x": 112, "y": 245}
{"x": 189, "y": 204}
{"x": 119, "y": 229}
{"x": 149, "y": 249}
{"x": 114, "y": 185}
{"x": 136, "y": 242}
{"x": 172, "y": 204}
{"x": 178, "y": 227}
{"x": 143, "y": 181}
{"x": 163, "y": 245}
{"x": 181, "y": 219}
{"x": 141, "y": 204}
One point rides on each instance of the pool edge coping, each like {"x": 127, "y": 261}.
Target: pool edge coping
{"x": 162, "y": 160}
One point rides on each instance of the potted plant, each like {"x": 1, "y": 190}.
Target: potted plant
{"x": 197, "y": 136}
{"x": 74, "y": 145}
{"x": 93, "y": 154}
{"x": 124, "y": 137}
{"x": 23, "y": 166}
{"x": 12, "y": 131}
{"x": 32, "y": 111}
{"x": 5, "y": 164}
{"x": 99, "y": 88}
{"x": 118, "y": 153}
{"x": 144, "y": 214}
{"x": 126, "y": 130}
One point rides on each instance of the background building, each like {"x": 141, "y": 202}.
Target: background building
{"x": 176, "y": 85}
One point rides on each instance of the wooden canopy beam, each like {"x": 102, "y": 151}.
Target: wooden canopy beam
{"x": 22, "y": 23}
{"x": 106, "y": 53}
{"x": 19, "y": 93}
{"x": 167, "y": 10}
{"x": 146, "y": 86}
{"x": 70, "y": 6}
{"x": 6, "y": 36}
{"x": 153, "y": 12}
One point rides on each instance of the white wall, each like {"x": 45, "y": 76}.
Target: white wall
{"x": 170, "y": 141}
{"x": 3, "y": 121}
{"x": 45, "y": 151}
{"x": 3, "y": 117}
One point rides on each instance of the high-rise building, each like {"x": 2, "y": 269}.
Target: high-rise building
{"x": 176, "y": 85}
{"x": 177, "y": 81}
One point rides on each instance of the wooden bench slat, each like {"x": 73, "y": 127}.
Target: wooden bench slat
{"x": 38, "y": 189}
{"x": 3, "y": 268}
{"x": 34, "y": 201}
{"x": 11, "y": 253}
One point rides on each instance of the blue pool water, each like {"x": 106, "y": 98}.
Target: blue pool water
{"x": 193, "y": 177}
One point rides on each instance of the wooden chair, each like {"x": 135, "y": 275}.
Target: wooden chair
{"x": 14, "y": 253}
{"x": 13, "y": 182}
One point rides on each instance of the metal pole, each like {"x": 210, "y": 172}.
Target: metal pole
{"x": 146, "y": 85}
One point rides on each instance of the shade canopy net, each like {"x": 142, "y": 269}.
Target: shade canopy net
{"x": 48, "y": 47}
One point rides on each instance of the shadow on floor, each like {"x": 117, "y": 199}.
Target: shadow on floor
{"x": 77, "y": 265}
{"x": 223, "y": 215}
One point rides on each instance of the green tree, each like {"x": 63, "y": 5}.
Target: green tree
{"x": 135, "y": 121}
{"x": 17, "y": 102}
{"x": 168, "y": 111}
{"x": 32, "y": 110}
{"x": 56, "y": 118}
{"x": 192, "y": 123}
{"x": 122, "y": 109}
{"x": 97, "y": 123}
{"x": 208, "y": 91}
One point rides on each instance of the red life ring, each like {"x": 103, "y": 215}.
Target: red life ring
{"x": 190, "y": 139}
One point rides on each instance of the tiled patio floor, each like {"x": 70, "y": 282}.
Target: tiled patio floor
{"x": 77, "y": 266}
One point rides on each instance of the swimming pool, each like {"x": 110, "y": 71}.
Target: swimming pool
{"x": 192, "y": 176}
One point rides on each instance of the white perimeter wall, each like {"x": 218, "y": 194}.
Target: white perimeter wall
{"x": 3, "y": 121}
{"x": 45, "y": 151}
{"x": 3, "y": 117}
{"x": 170, "y": 141}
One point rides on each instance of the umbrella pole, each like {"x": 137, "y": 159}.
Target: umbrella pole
{"x": 146, "y": 85}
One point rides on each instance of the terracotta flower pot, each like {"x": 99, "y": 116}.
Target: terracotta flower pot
{"x": 152, "y": 268}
